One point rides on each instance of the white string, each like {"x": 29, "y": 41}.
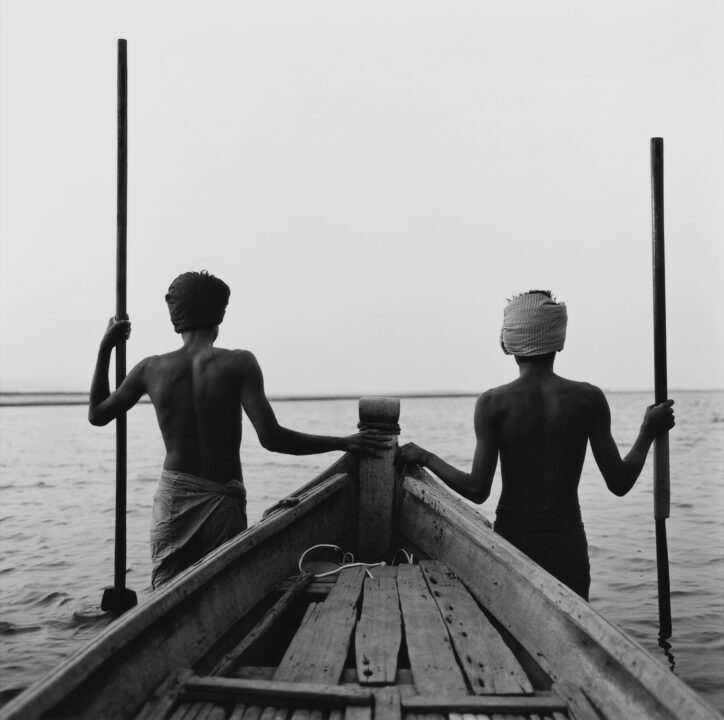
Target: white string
{"x": 409, "y": 557}
{"x": 347, "y": 561}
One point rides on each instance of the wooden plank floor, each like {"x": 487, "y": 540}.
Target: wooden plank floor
{"x": 423, "y": 650}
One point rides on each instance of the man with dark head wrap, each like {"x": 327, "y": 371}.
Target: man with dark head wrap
{"x": 198, "y": 392}
{"x": 540, "y": 425}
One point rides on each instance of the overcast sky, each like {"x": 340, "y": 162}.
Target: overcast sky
{"x": 372, "y": 178}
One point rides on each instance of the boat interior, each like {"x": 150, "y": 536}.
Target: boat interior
{"x": 358, "y": 642}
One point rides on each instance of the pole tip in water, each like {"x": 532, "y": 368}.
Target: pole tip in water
{"x": 118, "y": 600}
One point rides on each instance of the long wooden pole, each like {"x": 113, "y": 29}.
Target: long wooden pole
{"x": 119, "y": 598}
{"x": 662, "y": 491}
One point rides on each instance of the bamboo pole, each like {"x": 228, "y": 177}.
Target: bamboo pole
{"x": 119, "y": 598}
{"x": 661, "y": 444}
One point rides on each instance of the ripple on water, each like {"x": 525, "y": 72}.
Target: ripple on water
{"x": 8, "y": 628}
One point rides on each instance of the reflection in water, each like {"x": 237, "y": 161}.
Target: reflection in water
{"x": 665, "y": 645}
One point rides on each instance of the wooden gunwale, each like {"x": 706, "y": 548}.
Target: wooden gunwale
{"x": 564, "y": 634}
{"x": 183, "y": 619}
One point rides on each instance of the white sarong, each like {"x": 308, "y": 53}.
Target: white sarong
{"x": 191, "y": 517}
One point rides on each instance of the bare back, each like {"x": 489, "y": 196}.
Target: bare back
{"x": 542, "y": 423}
{"x": 196, "y": 393}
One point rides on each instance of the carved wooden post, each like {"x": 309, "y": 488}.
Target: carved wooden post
{"x": 377, "y": 479}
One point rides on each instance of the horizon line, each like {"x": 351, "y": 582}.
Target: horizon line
{"x": 70, "y": 397}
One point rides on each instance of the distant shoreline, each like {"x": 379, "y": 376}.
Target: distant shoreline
{"x": 31, "y": 399}
{"x": 54, "y": 397}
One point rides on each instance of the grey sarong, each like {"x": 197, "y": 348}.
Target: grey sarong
{"x": 191, "y": 517}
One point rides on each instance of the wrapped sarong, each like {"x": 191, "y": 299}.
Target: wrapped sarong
{"x": 556, "y": 541}
{"x": 191, "y": 517}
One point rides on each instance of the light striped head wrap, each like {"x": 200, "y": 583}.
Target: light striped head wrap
{"x": 534, "y": 323}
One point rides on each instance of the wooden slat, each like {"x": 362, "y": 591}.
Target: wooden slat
{"x": 285, "y": 694}
{"x": 544, "y": 703}
{"x": 356, "y": 712}
{"x": 488, "y": 663}
{"x": 253, "y": 712}
{"x": 387, "y": 703}
{"x": 432, "y": 661}
{"x": 180, "y": 711}
{"x": 265, "y": 624}
{"x": 318, "y": 651}
{"x": 379, "y": 632}
{"x": 200, "y": 711}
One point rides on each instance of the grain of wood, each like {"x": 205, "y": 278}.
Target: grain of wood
{"x": 376, "y": 482}
{"x": 387, "y": 703}
{"x": 434, "y": 668}
{"x": 319, "y": 649}
{"x": 579, "y": 705}
{"x": 238, "y": 712}
{"x": 379, "y": 632}
{"x": 204, "y": 711}
{"x": 489, "y": 664}
{"x": 356, "y": 712}
{"x": 180, "y": 711}
{"x": 252, "y": 712}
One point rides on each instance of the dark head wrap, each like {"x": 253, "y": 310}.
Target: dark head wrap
{"x": 197, "y": 301}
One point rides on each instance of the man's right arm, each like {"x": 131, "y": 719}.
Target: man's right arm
{"x": 277, "y": 438}
{"x": 620, "y": 474}
{"x": 104, "y": 405}
{"x": 474, "y": 485}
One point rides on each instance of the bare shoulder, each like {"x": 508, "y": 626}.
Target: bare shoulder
{"x": 244, "y": 359}
{"x": 500, "y": 395}
{"x": 588, "y": 397}
{"x": 575, "y": 387}
{"x": 242, "y": 363}
{"x": 493, "y": 400}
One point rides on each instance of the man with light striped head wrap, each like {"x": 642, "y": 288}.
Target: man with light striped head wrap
{"x": 539, "y": 426}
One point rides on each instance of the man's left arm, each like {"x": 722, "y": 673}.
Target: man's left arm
{"x": 104, "y": 405}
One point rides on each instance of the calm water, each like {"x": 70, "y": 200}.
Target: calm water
{"x": 56, "y": 521}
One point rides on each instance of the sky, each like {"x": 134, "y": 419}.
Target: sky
{"x": 372, "y": 179}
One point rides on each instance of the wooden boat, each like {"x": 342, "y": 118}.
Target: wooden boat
{"x": 465, "y": 627}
